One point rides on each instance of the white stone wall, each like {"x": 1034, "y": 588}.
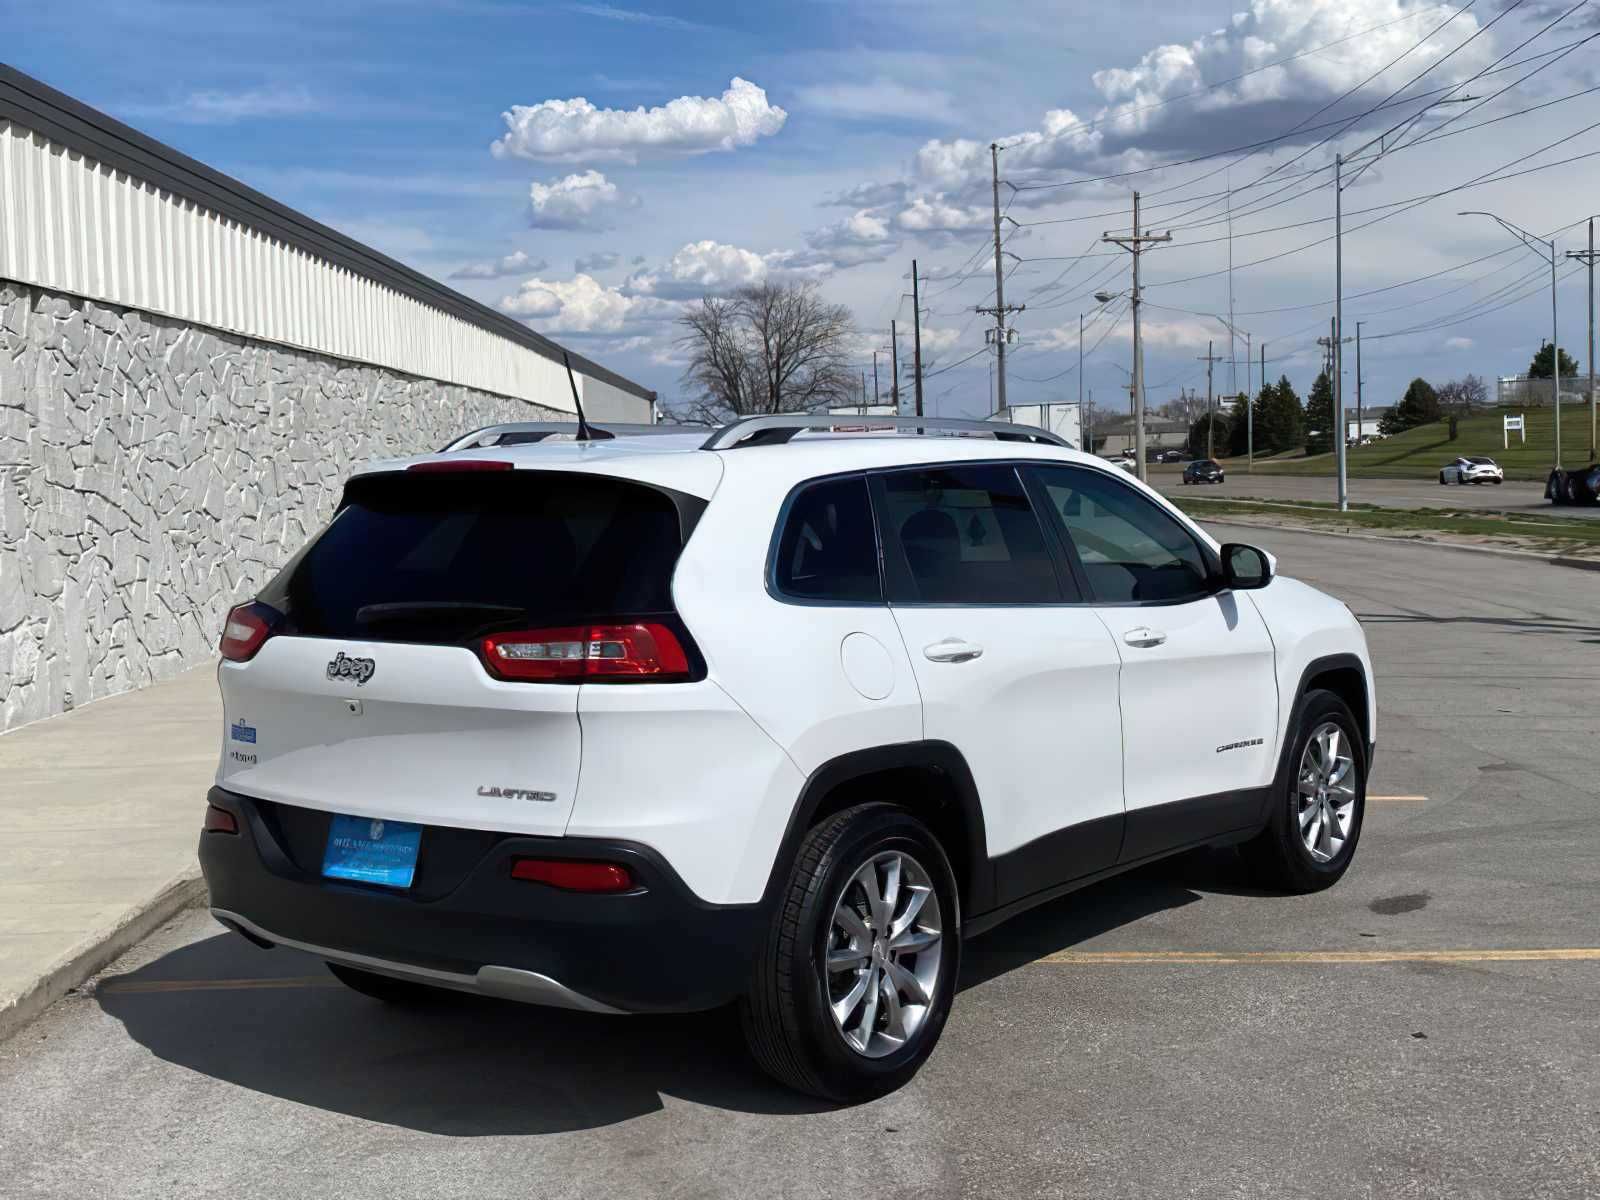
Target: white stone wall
{"x": 153, "y": 473}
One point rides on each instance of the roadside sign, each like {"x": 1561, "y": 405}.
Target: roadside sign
{"x": 1513, "y": 425}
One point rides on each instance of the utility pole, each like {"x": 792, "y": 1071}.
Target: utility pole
{"x": 1336, "y": 351}
{"x": 894, "y": 367}
{"x": 1000, "y": 335}
{"x": 1250, "y": 416}
{"x": 1088, "y": 425}
{"x": 863, "y": 393}
{"x": 1359, "y": 382}
{"x": 1080, "y": 367}
{"x": 1211, "y": 419}
{"x": 1135, "y": 244}
{"x": 1586, "y": 256}
{"x": 875, "y": 380}
{"x": 916, "y": 330}
{"x": 1333, "y": 361}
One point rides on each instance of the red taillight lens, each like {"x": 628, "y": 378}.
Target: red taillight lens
{"x": 573, "y": 876}
{"x": 246, "y": 628}
{"x": 643, "y": 650}
{"x": 462, "y": 464}
{"x": 220, "y": 820}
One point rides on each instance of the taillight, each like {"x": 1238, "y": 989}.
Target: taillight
{"x": 461, "y": 464}
{"x": 246, "y": 628}
{"x": 573, "y": 876}
{"x": 220, "y": 820}
{"x": 645, "y": 650}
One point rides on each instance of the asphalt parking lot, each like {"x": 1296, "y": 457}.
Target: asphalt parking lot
{"x": 1518, "y": 496}
{"x": 1426, "y": 1028}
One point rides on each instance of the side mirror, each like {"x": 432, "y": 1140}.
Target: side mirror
{"x": 1245, "y": 567}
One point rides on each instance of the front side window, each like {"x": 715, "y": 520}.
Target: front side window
{"x": 963, "y": 535}
{"x": 1130, "y": 550}
{"x": 828, "y": 549}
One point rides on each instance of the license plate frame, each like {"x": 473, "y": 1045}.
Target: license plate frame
{"x": 372, "y": 850}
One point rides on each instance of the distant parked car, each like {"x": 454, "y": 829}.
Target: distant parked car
{"x": 1172, "y": 456}
{"x": 1203, "y": 470}
{"x": 1581, "y": 485}
{"x": 1473, "y": 469}
{"x": 1127, "y": 464}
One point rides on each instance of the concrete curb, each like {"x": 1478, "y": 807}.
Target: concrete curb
{"x": 1581, "y": 564}
{"x": 99, "y": 948}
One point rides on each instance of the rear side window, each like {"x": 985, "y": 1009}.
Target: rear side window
{"x": 963, "y": 535}
{"x": 443, "y": 557}
{"x": 828, "y": 549}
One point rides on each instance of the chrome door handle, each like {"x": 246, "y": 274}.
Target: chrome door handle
{"x": 1144, "y": 636}
{"x": 952, "y": 650}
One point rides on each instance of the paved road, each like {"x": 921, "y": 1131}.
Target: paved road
{"x": 203, "y": 1067}
{"x": 1513, "y": 496}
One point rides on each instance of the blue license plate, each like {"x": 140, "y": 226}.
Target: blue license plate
{"x": 372, "y": 851}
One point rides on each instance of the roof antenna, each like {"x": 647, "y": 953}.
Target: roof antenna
{"x": 585, "y": 434}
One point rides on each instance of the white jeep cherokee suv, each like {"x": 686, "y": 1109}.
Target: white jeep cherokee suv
{"x": 661, "y": 723}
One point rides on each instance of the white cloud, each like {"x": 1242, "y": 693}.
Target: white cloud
{"x": 937, "y": 341}
{"x": 868, "y": 195}
{"x": 876, "y": 99}
{"x": 582, "y": 304}
{"x": 862, "y": 237}
{"x": 710, "y": 268}
{"x": 576, "y": 131}
{"x": 935, "y": 214}
{"x": 601, "y": 260}
{"x": 1137, "y": 127}
{"x": 584, "y": 201}
{"x": 1458, "y": 343}
{"x": 517, "y": 262}
{"x": 216, "y": 107}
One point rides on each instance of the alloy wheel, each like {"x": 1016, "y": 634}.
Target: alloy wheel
{"x": 1326, "y": 792}
{"x": 885, "y": 944}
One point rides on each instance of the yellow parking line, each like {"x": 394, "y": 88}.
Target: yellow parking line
{"x": 1399, "y": 799}
{"x": 1273, "y": 957}
{"x": 217, "y": 985}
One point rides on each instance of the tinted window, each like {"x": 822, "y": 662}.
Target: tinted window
{"x": 964, "y": 535}
{"x": 441, "y": 557}
{"x": 1129, "y": 548}
{"x": 828, "y": 550}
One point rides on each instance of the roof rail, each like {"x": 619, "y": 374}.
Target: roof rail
{"x": 780, "y": 428}
{"x": 514, "y": 433}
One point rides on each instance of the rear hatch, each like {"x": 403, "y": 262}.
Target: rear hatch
{"x": 387, "y": 685}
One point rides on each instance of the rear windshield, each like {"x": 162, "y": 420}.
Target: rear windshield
{"x": 443, "y": 557}
{"x": 1482, "y": 462}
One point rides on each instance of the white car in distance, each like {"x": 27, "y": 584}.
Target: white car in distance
{"x": 1475, "y": 468}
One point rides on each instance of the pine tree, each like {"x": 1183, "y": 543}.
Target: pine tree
{"x": 1239, "y": 426}
{"x": 1320, "y": 425}
{"x": 1419, "y": 406}
{"x": 1280, "y": 422}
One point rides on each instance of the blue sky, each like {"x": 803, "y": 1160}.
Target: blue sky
{"x": 834, "y": 141}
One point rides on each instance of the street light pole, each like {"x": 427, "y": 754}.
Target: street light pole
{"x": 1588, "y": 257}
{"x": 1338, "y": 330}
{"x": 1549, "y": 245}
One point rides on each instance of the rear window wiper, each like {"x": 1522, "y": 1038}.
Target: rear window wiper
{"x": 369, "y": 614}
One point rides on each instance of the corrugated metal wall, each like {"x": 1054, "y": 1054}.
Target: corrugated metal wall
{"x": 70, "y": 224}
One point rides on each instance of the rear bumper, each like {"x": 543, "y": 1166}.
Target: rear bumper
{"x": 471, "y": 927}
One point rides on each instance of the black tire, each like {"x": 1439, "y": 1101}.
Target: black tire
{"x": 1442, "y": 480}
{"x": 1277, "y": 856}
{"x": 1497, "y": 482}
{"x": 787, "y": 1022}
{"x": 1573, "y": 490}
{"x": 386, "y": 988}
{"x": 1555, "y": 487}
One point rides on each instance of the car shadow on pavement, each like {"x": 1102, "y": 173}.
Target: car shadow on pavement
{"x": 1083, "y": 915}
{"x": 276, "y": 1022}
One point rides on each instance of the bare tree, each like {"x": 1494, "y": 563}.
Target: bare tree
{"x": 768, "y": 348}
{"x": 1462, "y": 395}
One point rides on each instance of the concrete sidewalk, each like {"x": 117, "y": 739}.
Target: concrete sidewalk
{"x": 100, "y": 811}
